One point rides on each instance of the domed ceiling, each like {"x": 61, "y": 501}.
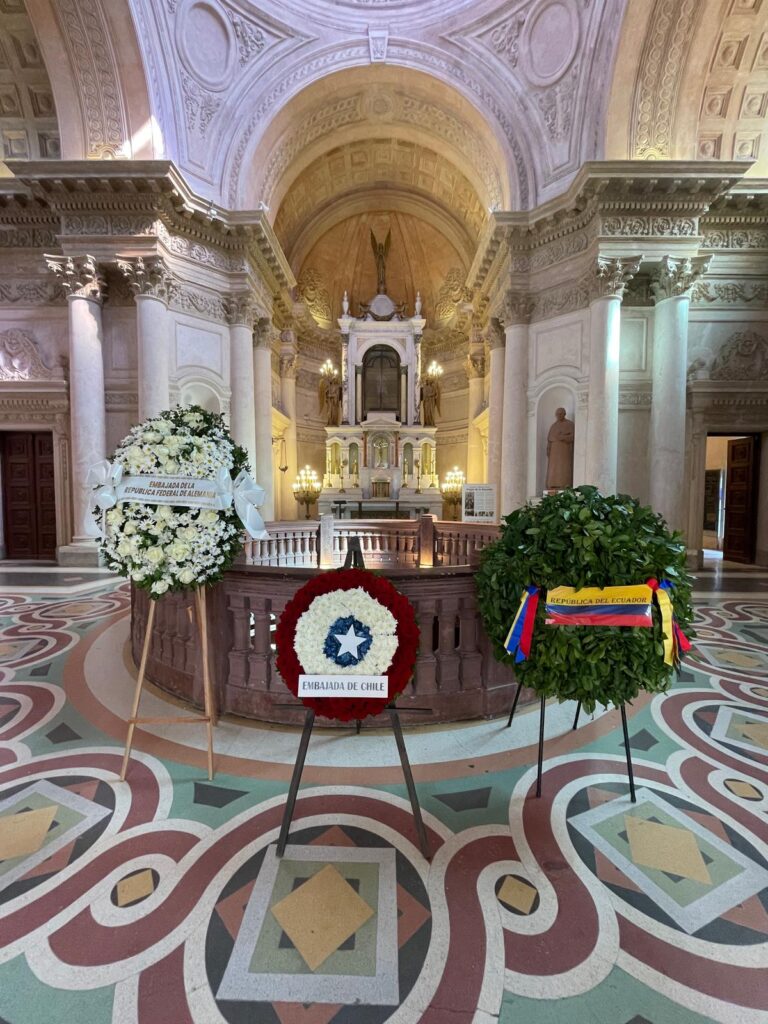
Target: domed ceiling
{"x": 420, "y": 259}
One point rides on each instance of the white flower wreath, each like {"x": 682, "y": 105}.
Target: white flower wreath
{"x": 173, "y": 546}
{"x": 346, "y": 632}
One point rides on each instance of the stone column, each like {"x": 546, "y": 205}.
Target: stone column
{"x": 150, "y": 281}
{"x": 514, "y": 440}
{"x": 671, "y": 290}
{"x": 289, "y": 366}
{"x": 262, "y": 401}
{"x": 606, "y": 288}
{"x": 416, "y": 386}
{"x": 495, "y": 408}
{"x": 241, "y": 313}
{"x": 81, "y": 279}
{"x": 475, "y": 368}
{"x": 345, "y": 379}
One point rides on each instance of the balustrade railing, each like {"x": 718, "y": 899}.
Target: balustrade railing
{"x": 455, "y": 677}
{"x": 385, "y": 543}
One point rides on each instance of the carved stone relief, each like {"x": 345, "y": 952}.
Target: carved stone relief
{"x": 314, "y": 294}
{"x": 20, "y": 359}
{"x": 744, "y": 356}
{"x": 677, "y": 277}
{"x": 730, "y": 293}
{"x": 87, "y": 38}
{"x": 28, "y": 125}
{"x": 664, "y": 54}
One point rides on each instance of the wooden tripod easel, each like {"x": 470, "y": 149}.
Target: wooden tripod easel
{"x": 210, "y": 713}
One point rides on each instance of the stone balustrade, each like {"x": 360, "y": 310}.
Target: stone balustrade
{"x": 456, "y": 675}
{"x": 385, "y": 543}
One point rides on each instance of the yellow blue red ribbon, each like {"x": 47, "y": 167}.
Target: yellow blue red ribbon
{"x": 519, "y": 638}
{"x": 675, "y": 641}
{"x": 600, "y": 606}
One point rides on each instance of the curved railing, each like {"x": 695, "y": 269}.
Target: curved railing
{"x": 456, "y": 675}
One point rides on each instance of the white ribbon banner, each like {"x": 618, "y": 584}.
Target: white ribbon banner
{"x": 110, "y": 487}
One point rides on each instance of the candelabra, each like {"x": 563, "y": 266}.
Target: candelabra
{"x": 417, "y": 467}
{"x": 434, "y": 371}
{"x": 307, "y": 488}
{"x": 344, "y": 464}
{"x": 451, "y": 488}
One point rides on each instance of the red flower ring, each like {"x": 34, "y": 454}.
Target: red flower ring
{"x": 401, "y": 667}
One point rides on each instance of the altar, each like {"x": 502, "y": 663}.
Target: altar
{"x": 380, "y": 448}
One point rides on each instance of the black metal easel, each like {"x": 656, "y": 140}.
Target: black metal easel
{"x": 354, "y": 560}
{"x": 627, "y": 747}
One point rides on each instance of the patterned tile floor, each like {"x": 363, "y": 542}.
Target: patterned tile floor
{"x": 161, "y": 899}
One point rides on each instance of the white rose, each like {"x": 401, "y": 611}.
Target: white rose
{"x": 154, "y": 556}
{"x": 178, "y": 551}
{"x": 164, "y": 427}
{"x": 159, "y": 587}
{"x": 124, "y": 548}
{"x": 164, "y": 512}
{"x": 170, "y": 466}
{"x": 208, "y": 517}
{"x": 187, "y": 576}
{"x": 129, "y": 529}
{"x": 114, "y": 517}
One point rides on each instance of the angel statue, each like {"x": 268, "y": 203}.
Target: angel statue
{"x": 329, "y": 397}
{"x": 380, "y": 253}
{"x": 430, "y": 401}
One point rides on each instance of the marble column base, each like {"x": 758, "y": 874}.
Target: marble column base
{"x": 80, "y": 553}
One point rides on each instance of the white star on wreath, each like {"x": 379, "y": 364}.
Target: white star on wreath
{"x": 349, "y": 642}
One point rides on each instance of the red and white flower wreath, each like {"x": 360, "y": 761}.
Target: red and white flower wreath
{"x": 379, "y": 621}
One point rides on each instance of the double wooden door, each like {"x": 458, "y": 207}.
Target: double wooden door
{"x": 29, "y": 494}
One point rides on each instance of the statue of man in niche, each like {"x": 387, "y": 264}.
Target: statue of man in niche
{"x": 560, "y": 453}
{"x": 380, "y": 253}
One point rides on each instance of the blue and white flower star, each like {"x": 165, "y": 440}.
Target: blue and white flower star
{"x": 346, "y": 631}
{"x": 348, "y": 641}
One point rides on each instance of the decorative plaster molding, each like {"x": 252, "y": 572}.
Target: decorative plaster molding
{"x": 117, "y": 223}
{"x": 20, "y": 359}
{"x": 289, "y": 365}
{"x": 314, "y": 294}
{"x": 199, "y": 253}
{"x": 146, "y": 275}
{"x": 262, "y": 333}
{"x": 30, "y": 293}
{"x": 635, "y": 399}
{"x": 378, "y": 39}
{"x": 735, "y": 238}
{"x": 250, "y": 38}
{"x": 666, "y": 45}
{"x": 744, "y": 356}
{"x": 200, "y": 106}
{"x": 729, "y": 293}
{"x": 556, "y": 105}
{"x": 645, "y": 226}
{"x": 564, "y": 298}
{"x": 504, "y": 39}
{"x": 677, "y": 277}
{"x": 186, "y": 299}
{"x": 17, "y": 237}
{"x": 88, "y": 40}
{"x": 78, "y": 275}
{"x": 121, "y": 400}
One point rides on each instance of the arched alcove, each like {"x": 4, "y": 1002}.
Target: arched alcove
{"x": 556, "y": 396}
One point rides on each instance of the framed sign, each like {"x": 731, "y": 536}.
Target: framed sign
{"x": 478, "y": 503}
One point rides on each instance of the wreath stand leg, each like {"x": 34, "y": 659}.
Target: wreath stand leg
{"x": 298, "y": 769}
{"x": 394, "y": 718}
{"x": 628, "y": 751}
{"x": 293, "y": 789}
{"x": 210, "y": 714}
{"x": 514, "y": 704}
{"x": 578, "y": 711}
{"x": 541, "y": 745}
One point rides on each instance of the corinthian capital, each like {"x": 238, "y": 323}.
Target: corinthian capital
{"x": 677, "y": 277}
{"x": 611, "y": 276}
{"x": 240, "y": 309}
{"x": 78, "y": 276}
{"x": 516, "y": 309}
{"x": 146, "y": 275}
{"x": 262, "y": 333}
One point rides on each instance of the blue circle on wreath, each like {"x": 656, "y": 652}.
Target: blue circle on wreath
{"x": 345, "y": 636}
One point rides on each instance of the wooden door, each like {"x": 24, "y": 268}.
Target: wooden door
{"x": 29, "y": 497}
{"x": 741, "y": 499}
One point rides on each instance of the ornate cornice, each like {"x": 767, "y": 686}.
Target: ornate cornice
{"x": 676, "y": 277}
{"x": 146, "y": 275}
{"x": 79, "y": 276}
